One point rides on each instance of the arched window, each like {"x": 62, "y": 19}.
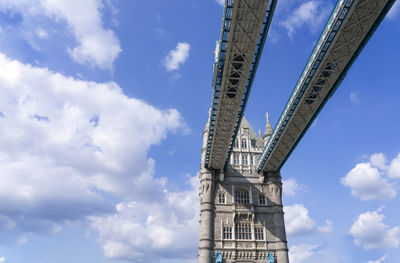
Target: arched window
{"x": 227, "y": 232}
{"x": 221, "y": 198}
{"x": 237, "y": 143}
{"x": 243, "y": 231}
{"x": 245, "y": 159}
{"x": 259, "y": 233}
{"x": 244, "y": 144}
{"x": 235, "y": 158}
{"x": 253, "y": 143}
{"x": 242, "y": 196}
{"x": 262, "y": 200}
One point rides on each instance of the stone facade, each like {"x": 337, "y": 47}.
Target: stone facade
{"x": 241, "y": 214}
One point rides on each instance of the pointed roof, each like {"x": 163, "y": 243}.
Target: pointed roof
{"x": 252, "y": 134}
{"x": 268, "y": 127}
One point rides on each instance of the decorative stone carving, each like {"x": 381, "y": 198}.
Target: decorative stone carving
{"x": 244, "y": 245}
{"x": 228, "y": 244}
{"x": 261, "y": 179}
{"x": 221, "y": 176}
{"x": 244, "y": 215}
{"x": 261, "y": 245}
{"x": 215, "y": 217}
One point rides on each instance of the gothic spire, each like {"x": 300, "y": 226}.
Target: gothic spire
{"x": 268, "y": 127}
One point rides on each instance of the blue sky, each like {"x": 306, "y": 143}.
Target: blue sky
{"x": 101, "y": 117}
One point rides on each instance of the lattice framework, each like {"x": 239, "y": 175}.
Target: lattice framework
{"x": 348, "y": 30}
{"x": 244, "y": 29}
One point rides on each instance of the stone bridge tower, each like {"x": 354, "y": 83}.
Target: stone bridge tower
{"x": 241, "y": 213}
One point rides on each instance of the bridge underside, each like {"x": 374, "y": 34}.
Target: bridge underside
{"x": 244, "y": 29}
{"x": 348, "y": 30}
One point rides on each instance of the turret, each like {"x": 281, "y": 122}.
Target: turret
{"x": 268, "y": 130}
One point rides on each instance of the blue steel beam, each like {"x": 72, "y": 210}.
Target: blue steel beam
{"x": 332, "y": 57}
{"x": 253, "y": 70}
{"x": 218, "y": 69}
{"x": 218, "y": 78}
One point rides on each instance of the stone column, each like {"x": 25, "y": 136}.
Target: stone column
{"x": 280, "y": 234}
{"x": 207, "y": 185}
{"x": 275, "y": 188}
{"x": 282, "y": 256}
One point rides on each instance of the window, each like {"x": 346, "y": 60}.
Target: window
{"x": 237, "y": 143}
{"x": 227, "y": 232}
{"x": 235, "y": 158}
{"x": 244, "y": 144}
{"x": 221, "y": 198}
{"x": 242, "y": 196}
{"x": 243, "y": 231}
{"x": 261, "y": 199}
{"x": 253, "y": 143}
{"x": 245, "y": 160}
{"x": 259, "y": 233}
{"x": 251, "y": 160}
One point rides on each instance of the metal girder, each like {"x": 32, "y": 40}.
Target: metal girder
{"x": 349, "y": 28}
{"x": 244, "y": 28}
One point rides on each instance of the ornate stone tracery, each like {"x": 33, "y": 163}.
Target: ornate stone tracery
{"x": 242, "y": 228}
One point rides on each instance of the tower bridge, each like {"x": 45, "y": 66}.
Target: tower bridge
{"x": 241, "y": 212}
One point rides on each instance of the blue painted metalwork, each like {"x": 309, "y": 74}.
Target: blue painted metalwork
{"x": 306, "y": 77}
{"x": 219, "y": 67}
{"x": 271, "y": 258}
{"x": 219, "y": 258}
{"x": 260, "y": 46}
{"x": 327, "y": 37}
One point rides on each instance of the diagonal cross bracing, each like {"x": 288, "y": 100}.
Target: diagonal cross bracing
{"x": 244, "y": 28}
{"x": 349, "y": 28}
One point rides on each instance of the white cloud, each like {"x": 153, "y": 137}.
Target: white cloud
{"x": 327, "y": 228}
{"x": 273, "y": 36}
{"x": 394, "y": 168}
{"x": 380, "y": 260}
{"x": 97, "y": 46}
{"x": 66, "y": 143}
{"x": 6, "y": 223}
{"x": 41, "y": 33}
{"x": 22, "y": 241}
{"x": 367, "y": 183}
{"x": 354, "y": 97}
{"x": 311, "y": 13}
{"x": 290, "y": 187}
{"x": 297, "y": 220}
{"x": 370, "y": 232}
{"x": 2, "y": 260}
{"x": 176, "y": 57}
{"x": 300, "y": 253}
{"x": 394, "y": 10}
{"x": 142, "y": 231}
{"x": 221, "y": 2}
{"x": 378, "y": 160}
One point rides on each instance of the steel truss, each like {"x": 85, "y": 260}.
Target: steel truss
{"x": 244, "y": 28}
{"x": 349, "y": 28}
